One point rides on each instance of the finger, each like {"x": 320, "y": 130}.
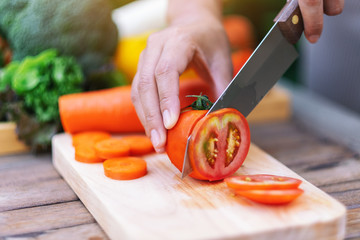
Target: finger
{"x": 333, "y": 7}
{"x": 136, "y": 99}
{"x": 222, "y": 70}
{"x": 222, "y": 78}
{"x": 312, "y": 12}
{"x": 148, "y": 93}
{"x": 219, "y": 68}
{"x": 167, "y": 74}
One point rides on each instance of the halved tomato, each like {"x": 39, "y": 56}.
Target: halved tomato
{"x": 261, "y": 182}
{"x": 219, "y": 144}
{"x": 177, "y": 136}
{"x": 282, "y": 196}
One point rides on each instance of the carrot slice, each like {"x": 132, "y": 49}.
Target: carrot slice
{"x": 89, "y": 138}
{"x": 139, "y": 144}
{"x": 86, "y": 154}
{"x": 112, "y": 148}
{"x": 125, "y": 168}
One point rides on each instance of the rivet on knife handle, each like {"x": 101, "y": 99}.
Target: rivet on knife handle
{"x": 290, "y": 21}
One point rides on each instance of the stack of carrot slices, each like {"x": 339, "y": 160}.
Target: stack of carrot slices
{"x": 265, "y": 188}
{"x": 120, "y": 156}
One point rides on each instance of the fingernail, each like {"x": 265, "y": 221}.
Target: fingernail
{"x": 314, "y": 38}
{"x": 160, "y": 150}
{"x": 168, "y": 119}
{"x": 155, "y": 138}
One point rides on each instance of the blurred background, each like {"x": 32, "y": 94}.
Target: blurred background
{"x": 52, "y": 48}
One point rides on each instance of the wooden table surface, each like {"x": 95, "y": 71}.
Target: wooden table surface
{"x": 36, "y": 203}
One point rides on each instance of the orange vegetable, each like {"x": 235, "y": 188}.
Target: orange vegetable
{"x": 178, "y": 135}
{"x": 89, "y": 138}
{"x": 125, "y": 168}
{"x": 240, "y": 31}
{"x": 261, "y": 182}
{"x": 266, "y": 188}
{"x": 111, "y": 110}
{"x": 86, "y": 153}
{"x": 139, "y": 144}
{"x": 112, "y": 148}
{"x": 274, "y": 197}
{"x": 239, "y": 58}
{"x": 218, "y": 146}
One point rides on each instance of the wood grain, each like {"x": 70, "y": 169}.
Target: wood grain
{"x": 39, "y": 219}
{"x": 353, "y": 225}
{"x": 9, "y": 142}
{"x": 291, "y": 153}
{"x": 291, "y": 21}
{"x": 162, "y": 206}
{"x": 90, "y": 231}
{"x": 31, "y": 182}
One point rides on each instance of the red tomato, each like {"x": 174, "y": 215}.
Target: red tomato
{"x": 261, "y": 182}
{"x": 219, "y": 143}
{"x": 282, "y": 196}
{"x": 177, "y": 136}
{"x": 239, "y": 58}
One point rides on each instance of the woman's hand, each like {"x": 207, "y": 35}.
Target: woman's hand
{"x": 313, "y": 12}
{"x": 196, "y": 38}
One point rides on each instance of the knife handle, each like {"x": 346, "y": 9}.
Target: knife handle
{"x": 290, "y": 21}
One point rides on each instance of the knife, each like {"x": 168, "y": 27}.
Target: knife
{"x": 269, "y": 61}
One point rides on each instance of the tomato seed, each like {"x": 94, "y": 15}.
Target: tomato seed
{"x": 233, "y": 143}
{"x": 211, "y": 150}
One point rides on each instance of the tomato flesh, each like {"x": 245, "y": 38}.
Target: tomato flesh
{"x": 219, "y": 144}
{"x": 233, "y": 143}
{"x": 261, "y": 182}
{"x": 282, "y": 196}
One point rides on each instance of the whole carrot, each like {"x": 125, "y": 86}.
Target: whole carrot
{"x": 111, "y": 110}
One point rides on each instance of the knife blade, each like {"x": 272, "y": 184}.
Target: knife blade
{"x": 269, "y": 61}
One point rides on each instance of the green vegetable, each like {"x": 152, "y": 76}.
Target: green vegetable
{"x": 7, "y": 76}
{"x": 41, "y": 80}
{"x": 83, "y": 29}
{"x": 29, "y": 92}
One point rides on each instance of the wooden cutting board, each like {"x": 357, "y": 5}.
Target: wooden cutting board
{"x": 161, "y": 205}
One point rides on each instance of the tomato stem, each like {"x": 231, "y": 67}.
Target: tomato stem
{"x": 202, "y": 102}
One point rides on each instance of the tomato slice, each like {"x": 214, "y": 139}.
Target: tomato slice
{"x": 282, "y": 196}
{"x": 219, "y": 144}
{"x": 261, "y": 182}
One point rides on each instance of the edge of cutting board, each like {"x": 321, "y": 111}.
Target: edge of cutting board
{"x": 326, "y": 215}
